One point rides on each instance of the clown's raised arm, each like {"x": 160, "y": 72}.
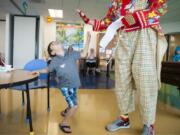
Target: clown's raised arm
{"x": 111, "y": 16}
{"x": 133, "y": 19}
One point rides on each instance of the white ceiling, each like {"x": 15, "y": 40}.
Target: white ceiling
{"x": 94, "y": 8}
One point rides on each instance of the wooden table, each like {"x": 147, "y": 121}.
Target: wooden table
{"x": 170, "y": 73}
{"x": 15, "y": 78}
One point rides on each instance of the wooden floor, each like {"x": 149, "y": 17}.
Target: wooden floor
{"x": 96, "y": 109}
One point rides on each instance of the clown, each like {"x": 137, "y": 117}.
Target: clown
{"x": 140, "y": 49}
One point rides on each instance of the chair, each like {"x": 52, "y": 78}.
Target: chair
{"x": 42, "y": 82}
{"x": 91, "y": 65}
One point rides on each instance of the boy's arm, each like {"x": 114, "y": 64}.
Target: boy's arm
{"x": 86, "y": 48}
{"x": 41, "y": 71}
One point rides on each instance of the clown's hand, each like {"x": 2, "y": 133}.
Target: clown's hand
{"x": 78, "y": 11}
{"x": 35, "y": 73}
{"x": 83, "y": 16}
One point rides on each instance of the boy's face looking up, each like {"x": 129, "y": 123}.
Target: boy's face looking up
{"x": 56, "y": 49}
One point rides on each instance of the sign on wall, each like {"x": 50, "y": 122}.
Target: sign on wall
{"x": 24, "y": 5}
{"x": 70, "y": 34}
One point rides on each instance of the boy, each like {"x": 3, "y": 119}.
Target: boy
{"x": 64, "y": 64}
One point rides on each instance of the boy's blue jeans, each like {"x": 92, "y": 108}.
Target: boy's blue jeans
{"x": 70, "y": 95}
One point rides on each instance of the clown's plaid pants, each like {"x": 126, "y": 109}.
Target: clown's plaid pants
{"x": 136, "y": 70}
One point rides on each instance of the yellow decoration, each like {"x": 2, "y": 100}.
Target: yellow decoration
{"x": 152, "y": 14}
{"x": 108, "y": 21}
{"x": 161, "y": 1}
{"x": 49, "y": 19}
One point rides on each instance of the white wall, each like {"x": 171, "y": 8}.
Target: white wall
{"x": 47, "y": 34}
{"x": 172, "y": 27}
{"x": 88, "y": 28}
{"x": 2, "y": 36}
{"x": 24, "y": 40}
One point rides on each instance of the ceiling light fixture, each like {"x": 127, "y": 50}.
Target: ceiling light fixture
{"x": 56, "y": 13}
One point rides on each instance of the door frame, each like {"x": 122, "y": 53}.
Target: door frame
{"x": 11, "y": 48}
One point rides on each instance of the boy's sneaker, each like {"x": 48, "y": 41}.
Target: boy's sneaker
{"x": 148, "y": 130}
{"x": 118, "y": 124}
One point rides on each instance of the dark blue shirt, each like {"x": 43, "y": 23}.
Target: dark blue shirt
{"x": 66, "y": 69}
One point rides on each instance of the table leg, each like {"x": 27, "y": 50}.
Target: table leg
{"x": 29, "y": 110}
{"x": 48, "y": 96}
{"x": 27, "y": 105}
{"x": 107, "y": 72}
{"x": 23, "y": 98}
{"x": 0, "y": 101}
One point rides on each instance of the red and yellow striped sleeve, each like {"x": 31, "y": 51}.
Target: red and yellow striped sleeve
{"x": 102, "y": 24}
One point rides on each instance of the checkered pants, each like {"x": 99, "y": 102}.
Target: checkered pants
{"x": 136, "y": 69}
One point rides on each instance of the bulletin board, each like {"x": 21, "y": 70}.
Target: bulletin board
{"x": 70, "y": 34}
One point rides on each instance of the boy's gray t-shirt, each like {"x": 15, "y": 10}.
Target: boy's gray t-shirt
{"x": 66, "y": 69}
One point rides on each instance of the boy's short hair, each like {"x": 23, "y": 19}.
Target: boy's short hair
{"x": 49, "y": 50}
